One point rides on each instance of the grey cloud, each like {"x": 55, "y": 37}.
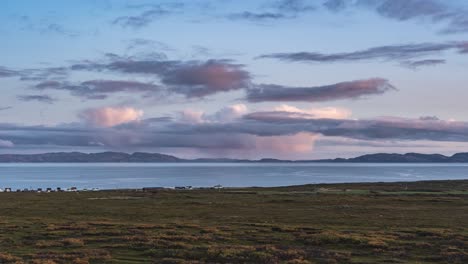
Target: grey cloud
{"x": 294, "y": 6}
{"x": 4, "y": 72}
{"x": 384, "y": 128}
{"x": 189, "y": 78}
{"x": 246, "y": 15}
{"x": 239, "y": 134}
{"x": 5, "y": 108}
{"x": 344, "y": 90}
{"x": 201, "y": 79}
{"x": 282, "y": 9}
{"x": 336, "y": 5}
{"x": 152, "y": 13}
{"x": 100, "y": 89}
{"x": 39, "y": 98}
{"x": 433, "y": 11}
{"x": 58, "y": 29}
{"x": 383, "y": 53}
{"x": 422, "y": 63}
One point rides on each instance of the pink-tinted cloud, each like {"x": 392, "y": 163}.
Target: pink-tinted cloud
{"x": 110, "y": 116}
{"x": 201, "y": 79}
{"x": 321, "y": 112}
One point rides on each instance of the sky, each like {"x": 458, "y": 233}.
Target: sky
{"x": 289, "y": 79}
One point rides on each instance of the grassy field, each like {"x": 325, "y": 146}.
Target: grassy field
{"x": 423, "y": 222}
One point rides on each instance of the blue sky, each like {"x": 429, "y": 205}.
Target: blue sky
{"x": 283, "y": 78}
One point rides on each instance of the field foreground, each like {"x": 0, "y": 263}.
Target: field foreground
{"x": 421, "y": 222}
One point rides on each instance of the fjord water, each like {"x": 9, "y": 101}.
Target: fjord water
{"x": 138, "y": 175}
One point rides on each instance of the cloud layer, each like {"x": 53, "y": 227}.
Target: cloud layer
{"x": 381, "y": 53}
{"x": 454, "y": 17}
{"x": 344, "y": 90}
{"x": 243, "y": 133}
{"x": 39, "y": 98}
{"x": 188, "y": 78}
{"x": 100, "y": 89}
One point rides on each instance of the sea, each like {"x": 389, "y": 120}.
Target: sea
{"x": 140, "y": 175}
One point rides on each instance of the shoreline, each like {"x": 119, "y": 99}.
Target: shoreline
{"x": 383, "y": 184}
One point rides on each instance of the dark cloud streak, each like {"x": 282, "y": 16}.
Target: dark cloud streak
{"x": 344, "y": 90}
{"x": 100, "y": 89}
{"x": 433, "y": 11}
{"x": 39, "y": 98}
{"x": 383, "y": 53}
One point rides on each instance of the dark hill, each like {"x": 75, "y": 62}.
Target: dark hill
{"x": 156, "y": 157}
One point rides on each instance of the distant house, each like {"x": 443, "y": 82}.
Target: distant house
{"x": 219, "y": 186}
{"x": 49, "y": 190}
{"x": 7, "y": 189}
{"x": 73, "y": 189}
{"x": 59, "y": 189}
{"x": 39, "y": 190}
{"x": 183, "y": 187}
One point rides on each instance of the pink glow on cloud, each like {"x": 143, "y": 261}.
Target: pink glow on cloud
{"x": 110, "y": 116}
{"x": 323, "y": 112}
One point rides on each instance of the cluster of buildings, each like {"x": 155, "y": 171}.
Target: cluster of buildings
{"x": 47, "y": 190}
{"x": 75, "y": 189}
{"x": 197, "y": 188}
{"x": 188, "y": 187}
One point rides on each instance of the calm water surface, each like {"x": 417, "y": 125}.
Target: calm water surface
{"x": 124, "y": 175}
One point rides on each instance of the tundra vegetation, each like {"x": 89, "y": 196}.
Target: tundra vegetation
{"x": 420, "y": 222}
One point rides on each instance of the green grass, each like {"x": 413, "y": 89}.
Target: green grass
{"x": 423, "y": 222}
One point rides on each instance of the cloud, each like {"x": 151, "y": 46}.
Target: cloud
{"x": 6, "y": 144}
{"x": 201, "y": 79}
{"x": 433, "y": 11}
{"x": 4, "y": 72}
{"x": 2, "y": 108}
{"x": 379, "y": 128}
{"x": 100, "y": 89}
{"x": 110, "y": 116}
{"x": 382, "y": 53}
{"x": 344, "y": 90}
{"x": 314, "y": 113}
{"x": 188, "y": 78}
{"x": 225, "y": 115}
{"x": 230, "y": 113}
{"x": 192, "y": 116}
{"x": 246, "y": 15}
{"x": 422, "y": 63}
{"x": 294, "y": 6}
{"x": 278, "y": 10}
{"x": 253, "y": 134}
{"x": 39, "y": 98}
{"x": 152, "y": 13}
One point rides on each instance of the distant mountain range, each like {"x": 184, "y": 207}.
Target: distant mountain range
{"x": 141, "y": 157}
